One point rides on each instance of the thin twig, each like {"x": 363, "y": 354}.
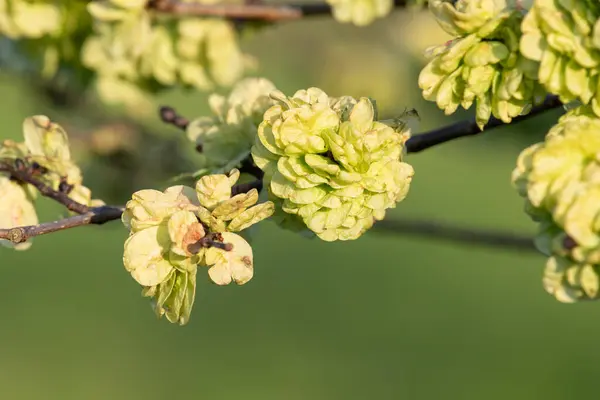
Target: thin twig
{"x": 170, "y": 116}
{"x": 95, "y": 216}
{"x": 248, "y": 166}
{"x": 261, "y": 12}
{"x": 469, "y": 128}
{"x": 444, "y": 231}
{"x": 246, "y": 187}
{"x": 25, "y": 174}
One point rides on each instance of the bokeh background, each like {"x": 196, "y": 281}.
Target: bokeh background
{"x": 386, "y": 317}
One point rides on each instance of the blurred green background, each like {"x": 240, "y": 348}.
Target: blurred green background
{"x": 385, "y": 317}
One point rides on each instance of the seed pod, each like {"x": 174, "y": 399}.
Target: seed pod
{"x": 482, "y": 65}
{"x": 333, "y": 171}
{"x": 560, "y": 181}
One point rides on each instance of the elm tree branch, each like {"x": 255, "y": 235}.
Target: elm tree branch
{"x": 95, "y": 216}
{"x": 25, "y": 174}
{"x": 91, "y": 216}
{"x": 249, "y": 11}
{"x": 461, "y": 129}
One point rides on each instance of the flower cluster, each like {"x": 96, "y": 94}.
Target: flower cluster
{"x": 560, "y": 181}
{"x": 226, "y": 137}
{"x": 133, "y": 49}
{"x": 482, "y": 65}
{"x": 563, "y": 39}
{"x": 329, "y": 164}
{"x": 175, "y": 231}
{"x": 45, "y": 152}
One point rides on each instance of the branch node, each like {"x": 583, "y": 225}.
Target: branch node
{"x": 17, "y": 235}
{"x": 20, "y": 164}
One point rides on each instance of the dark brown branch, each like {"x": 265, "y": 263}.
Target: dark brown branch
{"x": 94, "y": 216}
{"x": 98, "y": 216}
{"x": 26, "y": 174}
{"x": 261, "y": 12}
{"x": 469, "y": 128}
{"x": 246, "y": 187}
{"x": 437, "y": 230}
{"x": 249, "y": 167}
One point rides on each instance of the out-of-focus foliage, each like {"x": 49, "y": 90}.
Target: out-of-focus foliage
{"x": 126, "y": 50}
{"x": 131, "y": 49}
{"x": 49, "y": 33}
{"x": 360, "y": 12}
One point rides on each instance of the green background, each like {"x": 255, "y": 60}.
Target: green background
{"x": 385, "y": 317}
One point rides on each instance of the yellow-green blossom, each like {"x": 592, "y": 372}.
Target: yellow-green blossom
{"x": 482, "y": 65}
{"x": 175, "y": 231}
{"x": 560, "y": 181}
{"x": 329, "y": 164}
{"x": 562, "y": 39}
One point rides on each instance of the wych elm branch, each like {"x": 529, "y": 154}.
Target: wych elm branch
{"x": 256, "y": 12}
{"x": 24, "y": 173}
{"x": 464, "y": 128}
{"x": 418, "y": 143}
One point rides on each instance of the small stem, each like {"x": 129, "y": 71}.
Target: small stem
{"x": 27, "y": 175}
{"x": 460, "y": 129}
{"x": 248, "y": 11}
{"x": 94, "y": 216}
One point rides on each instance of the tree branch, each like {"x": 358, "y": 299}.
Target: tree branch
{"x": 442, "y": 231}
{"x": 95, "y": 216}
{"x": 26, "y": 174}
{"x": 469, "y": 128}
{"x": 261, "y": 12}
